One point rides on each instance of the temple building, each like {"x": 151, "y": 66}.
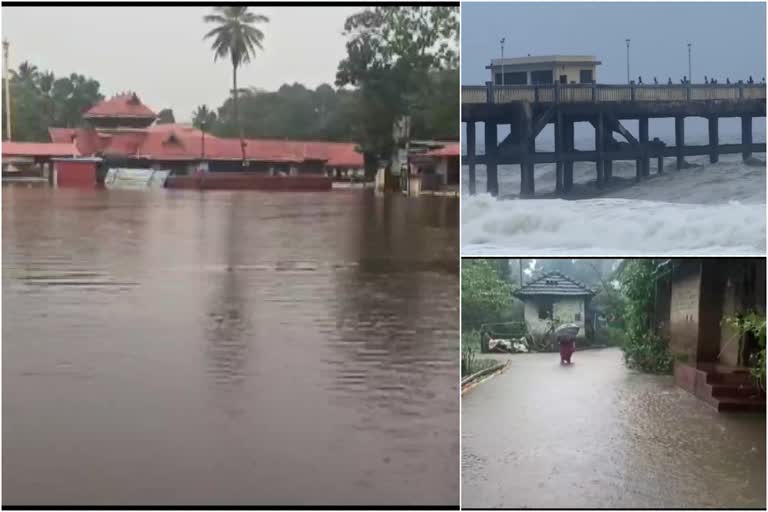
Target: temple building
{"x": 122, "y": 131}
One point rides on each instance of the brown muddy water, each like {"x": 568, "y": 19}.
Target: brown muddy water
{"x": 186, "y": 348}
{"x": 596, "y": 435}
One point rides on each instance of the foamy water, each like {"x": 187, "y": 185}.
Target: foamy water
{"x": 712, "y": 209}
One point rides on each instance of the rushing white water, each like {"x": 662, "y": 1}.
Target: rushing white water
{"x": 712, "y": 209}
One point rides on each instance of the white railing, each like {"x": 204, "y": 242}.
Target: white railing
{"x": 590, "y": 93}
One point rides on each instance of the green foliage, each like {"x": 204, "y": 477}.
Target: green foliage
{"x": 754, "y": 323}
{"x": 394, "y": 56}
{"x": 470, "y": 348}
{"x": 39, "y": 100}
{"x": 203, "y": 118}
{"x": 165, "y": 116}
{"x": 643, "y": 350}
{"x": 293, "y": 112}
{"x": 235, "y": 36}
{"x": 610, "y": 336}
{"x": 648, "y": 353}
{"x": 484, "y": 297}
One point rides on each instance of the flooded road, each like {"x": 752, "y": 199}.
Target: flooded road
{"x": 595, "y": 435}
{"x": 179, "y": 348}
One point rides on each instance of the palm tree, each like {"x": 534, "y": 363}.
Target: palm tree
{"x": 202, "y": 117}
{"x": 235, "y": 36}
{"x": 27, "y": 72}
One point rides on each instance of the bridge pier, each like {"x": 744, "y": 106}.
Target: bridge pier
{"x": 568, "y": 146}
{"x": 645, "y": 163}
{"x": 491, "y": 156}
{"x": 660, "y": 164}
{"x": 713, "y": 139}
{"x": 680, "y": 141}
{"x": 471, "y": 156}
{"x": 599, "y": 148}
{"x": 746, "y": 136}
{"x": 559, "y": 182}
{"x": 527, "y": 186}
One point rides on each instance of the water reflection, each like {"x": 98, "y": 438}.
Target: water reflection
{"x": 232, "y": 348}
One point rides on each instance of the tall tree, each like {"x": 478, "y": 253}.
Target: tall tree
{"x": 165, "y": 116}
{"x": 391, "y": 52}
{"x": 203, "y": 118}
{"x": 39, "y": 100}
{"x": 236, "y": 37}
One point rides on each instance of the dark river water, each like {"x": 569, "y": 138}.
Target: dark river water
{"x": 179, "y": 348}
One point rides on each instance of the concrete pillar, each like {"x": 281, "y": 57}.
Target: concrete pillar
{"x": 491, "y": 163}
{"x": 680, "y": 140}
{"x": 645, "y": 164}
{"x": 608, "y": 170}
{"x": 559, "y": 183}
{"x": 660, "y": 164}
{"x": 599, "y": 146}
{"x": 714, "y": 139}
{"x": 471, "y": 156}
{"x": 746, "y": 136}
{"x": 568, "y": 147}
{"x": 527, "y": 187}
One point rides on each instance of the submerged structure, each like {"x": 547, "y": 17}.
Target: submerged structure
{"x": 123, "y": 131}
{"x": 528, "y": 107}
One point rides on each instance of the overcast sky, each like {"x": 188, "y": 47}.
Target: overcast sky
{"x": 728, "y": 38}
{"x": 159, "y": 52}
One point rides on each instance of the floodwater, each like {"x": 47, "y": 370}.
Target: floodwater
{"x": 709, "y": 209}
{"x": 596, "y": 435}
{"x": 229, "y": 348}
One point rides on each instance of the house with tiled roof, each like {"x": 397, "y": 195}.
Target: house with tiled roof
{"x": 554, "y": 299}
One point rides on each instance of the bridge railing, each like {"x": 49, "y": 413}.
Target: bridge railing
{"x": 592, "y": 93}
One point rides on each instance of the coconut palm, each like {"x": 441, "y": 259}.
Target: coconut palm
{"x": 203, "y": 117}
{"x": 236, "y": 37}
{"x": 27, "y": 72}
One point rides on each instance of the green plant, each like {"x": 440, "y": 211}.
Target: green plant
{"x": 754, "y": 323}
{"x": 643, "y": 350}
{"x": 470, "y": 347}
{"x": 647, "y": 353}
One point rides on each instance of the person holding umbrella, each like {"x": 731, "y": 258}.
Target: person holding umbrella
{"x": 566, "y": 338}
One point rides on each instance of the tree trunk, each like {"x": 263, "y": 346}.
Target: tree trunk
{"x": 237, "y": 113}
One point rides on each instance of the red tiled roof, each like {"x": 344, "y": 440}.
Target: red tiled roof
{"x": 184, "y": 142}
{"x": 40, "y": 149}
{"x": 65, "y": 135}
{"x": 124, "y": 105}
{"x": 450, "y": 149}
{"x": 337, "y": 154}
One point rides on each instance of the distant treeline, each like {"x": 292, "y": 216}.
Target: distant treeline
{"x": 40, "y": 100}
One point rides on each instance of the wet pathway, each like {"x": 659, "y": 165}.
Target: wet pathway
{"x": 595, "y": 435}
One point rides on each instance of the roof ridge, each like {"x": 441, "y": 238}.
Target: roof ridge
{"x": 550, "y": 274}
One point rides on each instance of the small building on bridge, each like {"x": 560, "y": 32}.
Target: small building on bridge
{"x": 554, "y": 299}
{"x": 544, "y": 70}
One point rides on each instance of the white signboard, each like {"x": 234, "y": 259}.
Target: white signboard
{"x": 118, "y": 178}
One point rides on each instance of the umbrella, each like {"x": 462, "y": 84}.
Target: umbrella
{"x": 567, "y": 331}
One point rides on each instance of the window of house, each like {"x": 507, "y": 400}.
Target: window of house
{"x": 512, "y": 78}
{"x": 577, "y": 317}
{"x": 542, "y": 77}
{"x": 551, "y": 282}
{"x": 543, "y": 312}
{"x": 585, "y": 76}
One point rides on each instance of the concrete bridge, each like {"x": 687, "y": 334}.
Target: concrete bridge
{"x": 529, "y": 109}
